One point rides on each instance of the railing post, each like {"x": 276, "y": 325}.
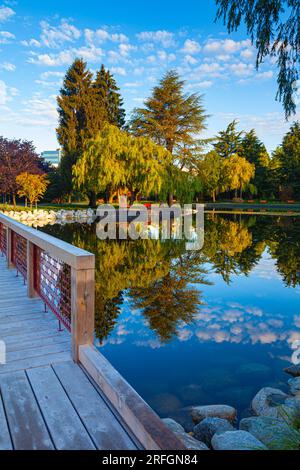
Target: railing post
{"x": 82, "y": 309}
{"x": 30, "y": 270}
{"x": 9, "y": 248}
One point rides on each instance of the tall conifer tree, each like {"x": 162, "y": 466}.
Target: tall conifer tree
{"x": 109, "y": 96}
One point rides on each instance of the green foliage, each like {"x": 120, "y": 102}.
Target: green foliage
{"x": 211, "y": 173}
{"x": 116, "y": 161}
{"x": 274, "y": 29}
{"x": 84, "y": 106}
{"x": 228, "y": 142}
{"x": 170, "y": 117}
{"x": 106, "y": 87}
{"x": 256, "y": 153}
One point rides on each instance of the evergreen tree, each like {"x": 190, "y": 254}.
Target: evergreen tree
{"x": 170, "y": 117}
{"x": 80, "y": 117}
{"x": 256, "y": 153}
{"x": 109, "y": 96}
{"x": 289, "y": 157}
{"x": 228, "y": 142}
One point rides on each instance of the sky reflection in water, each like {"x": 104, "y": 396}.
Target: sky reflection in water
{"x": 202, "y": 327}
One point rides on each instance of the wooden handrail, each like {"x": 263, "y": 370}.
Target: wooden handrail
{"x": 69, "y": 254}
{"x": 79, "y": 264}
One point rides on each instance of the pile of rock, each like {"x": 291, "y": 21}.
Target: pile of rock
{"x": 272, "y": 424}
{"x": 40, "y": 217}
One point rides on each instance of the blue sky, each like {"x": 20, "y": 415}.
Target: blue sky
{"x": 138, "y": 41}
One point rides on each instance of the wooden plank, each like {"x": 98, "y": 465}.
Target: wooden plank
{"x": 36, "y": 343}
{"x": 27, "y": 427}
{"x": 5, "y": 440}
{"x": 32, "y": 362}
{"x": 40, "y": 335}
{"x": 67, "y": 430}
{"x": 13, "y": 356}
{"x": 102, "y": 425}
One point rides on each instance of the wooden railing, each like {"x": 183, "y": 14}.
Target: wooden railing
{"x": 62, "y": 275}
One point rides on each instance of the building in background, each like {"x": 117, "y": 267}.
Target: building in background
{"x": 52, "y": 156}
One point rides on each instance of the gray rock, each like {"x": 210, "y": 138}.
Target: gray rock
{"x": 213, "y": 411}
{"x": 294, "y": 386}
{"x": 206, "y": 429}
{"x": 275, "y": 433}
{"x": 188, "y": 441}
{"x": 236, "y": 440}
{"x": 294, "y": 371}
{"x": 267, "y": 401}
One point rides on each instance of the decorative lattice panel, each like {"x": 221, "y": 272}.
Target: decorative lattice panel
{"x": 3, "y": 240}
{"x": 53, "y": 285}
{"x": 19, "y": 253}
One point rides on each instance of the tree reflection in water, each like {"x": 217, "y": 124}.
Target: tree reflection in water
{"x": 162, "y": 278}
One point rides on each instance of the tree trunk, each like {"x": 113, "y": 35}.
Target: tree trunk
{"x": 214, "y": 196}
{"x": 69, "y": 198}
{"x": 14, "y": 200}
{"x": 170, "y": 199}
{"x": 92, "y": 199}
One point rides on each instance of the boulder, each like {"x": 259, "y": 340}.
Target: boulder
{"x": 188, "y": 441}
{"x": 236, "y": 440}
{"x": 206, "y": 429}
{"x": 294, "y": 371}
{"x": 266, "y": 402}
{"x": 294, "y": 386}
{"x": 213, "y": 411}
{"x": 275, "y": 433}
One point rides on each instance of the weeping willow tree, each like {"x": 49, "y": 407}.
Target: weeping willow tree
{"x": 117, "y": 163}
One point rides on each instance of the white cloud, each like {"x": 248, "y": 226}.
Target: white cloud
{"x": 6, "y": 37}
{"x": 6, "y": 93}
{"x": 204, "y": 84}
{"x": 8, "y": 67}
{"x": 163, "y": 37}
{"x": 241, "y": 69}
{"x": 118, "y": 71}
{"x": 99, "y": 36}
{"x": 66, "y": 57}
{"x": 191, "y": 47}
{"x": 6, "y": 13}
{"x": 225, "y": 46}
{"x": 55, "y": 36}
{"x": 51, "y": 73}
{"x": 31, "y": 43}
{"x": 125, "y": 49}
{"x": 190, "y": 60}
{"x": 247, "y": 54}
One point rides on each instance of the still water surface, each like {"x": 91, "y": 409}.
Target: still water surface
{"x": 192, "y": 328}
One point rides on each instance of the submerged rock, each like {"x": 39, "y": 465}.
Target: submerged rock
{"x": 275, "y": 433}
{"x": 256, "y": 370}
{"x": 188, "y": 441}
{"x": 294, "y": 386}
{"x": 236, "y": 440}
{"x": 213, "y": 411}
{"x": 266, "y": 402}
{"x": 294, "y": 371}
{"x": 206, "y": 429}
{"x": 165, "y": 403}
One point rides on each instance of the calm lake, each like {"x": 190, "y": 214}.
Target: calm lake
{"x": 208, "y": 327}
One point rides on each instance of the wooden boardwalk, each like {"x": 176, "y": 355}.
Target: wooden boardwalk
{"x": 47, "y": 401}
